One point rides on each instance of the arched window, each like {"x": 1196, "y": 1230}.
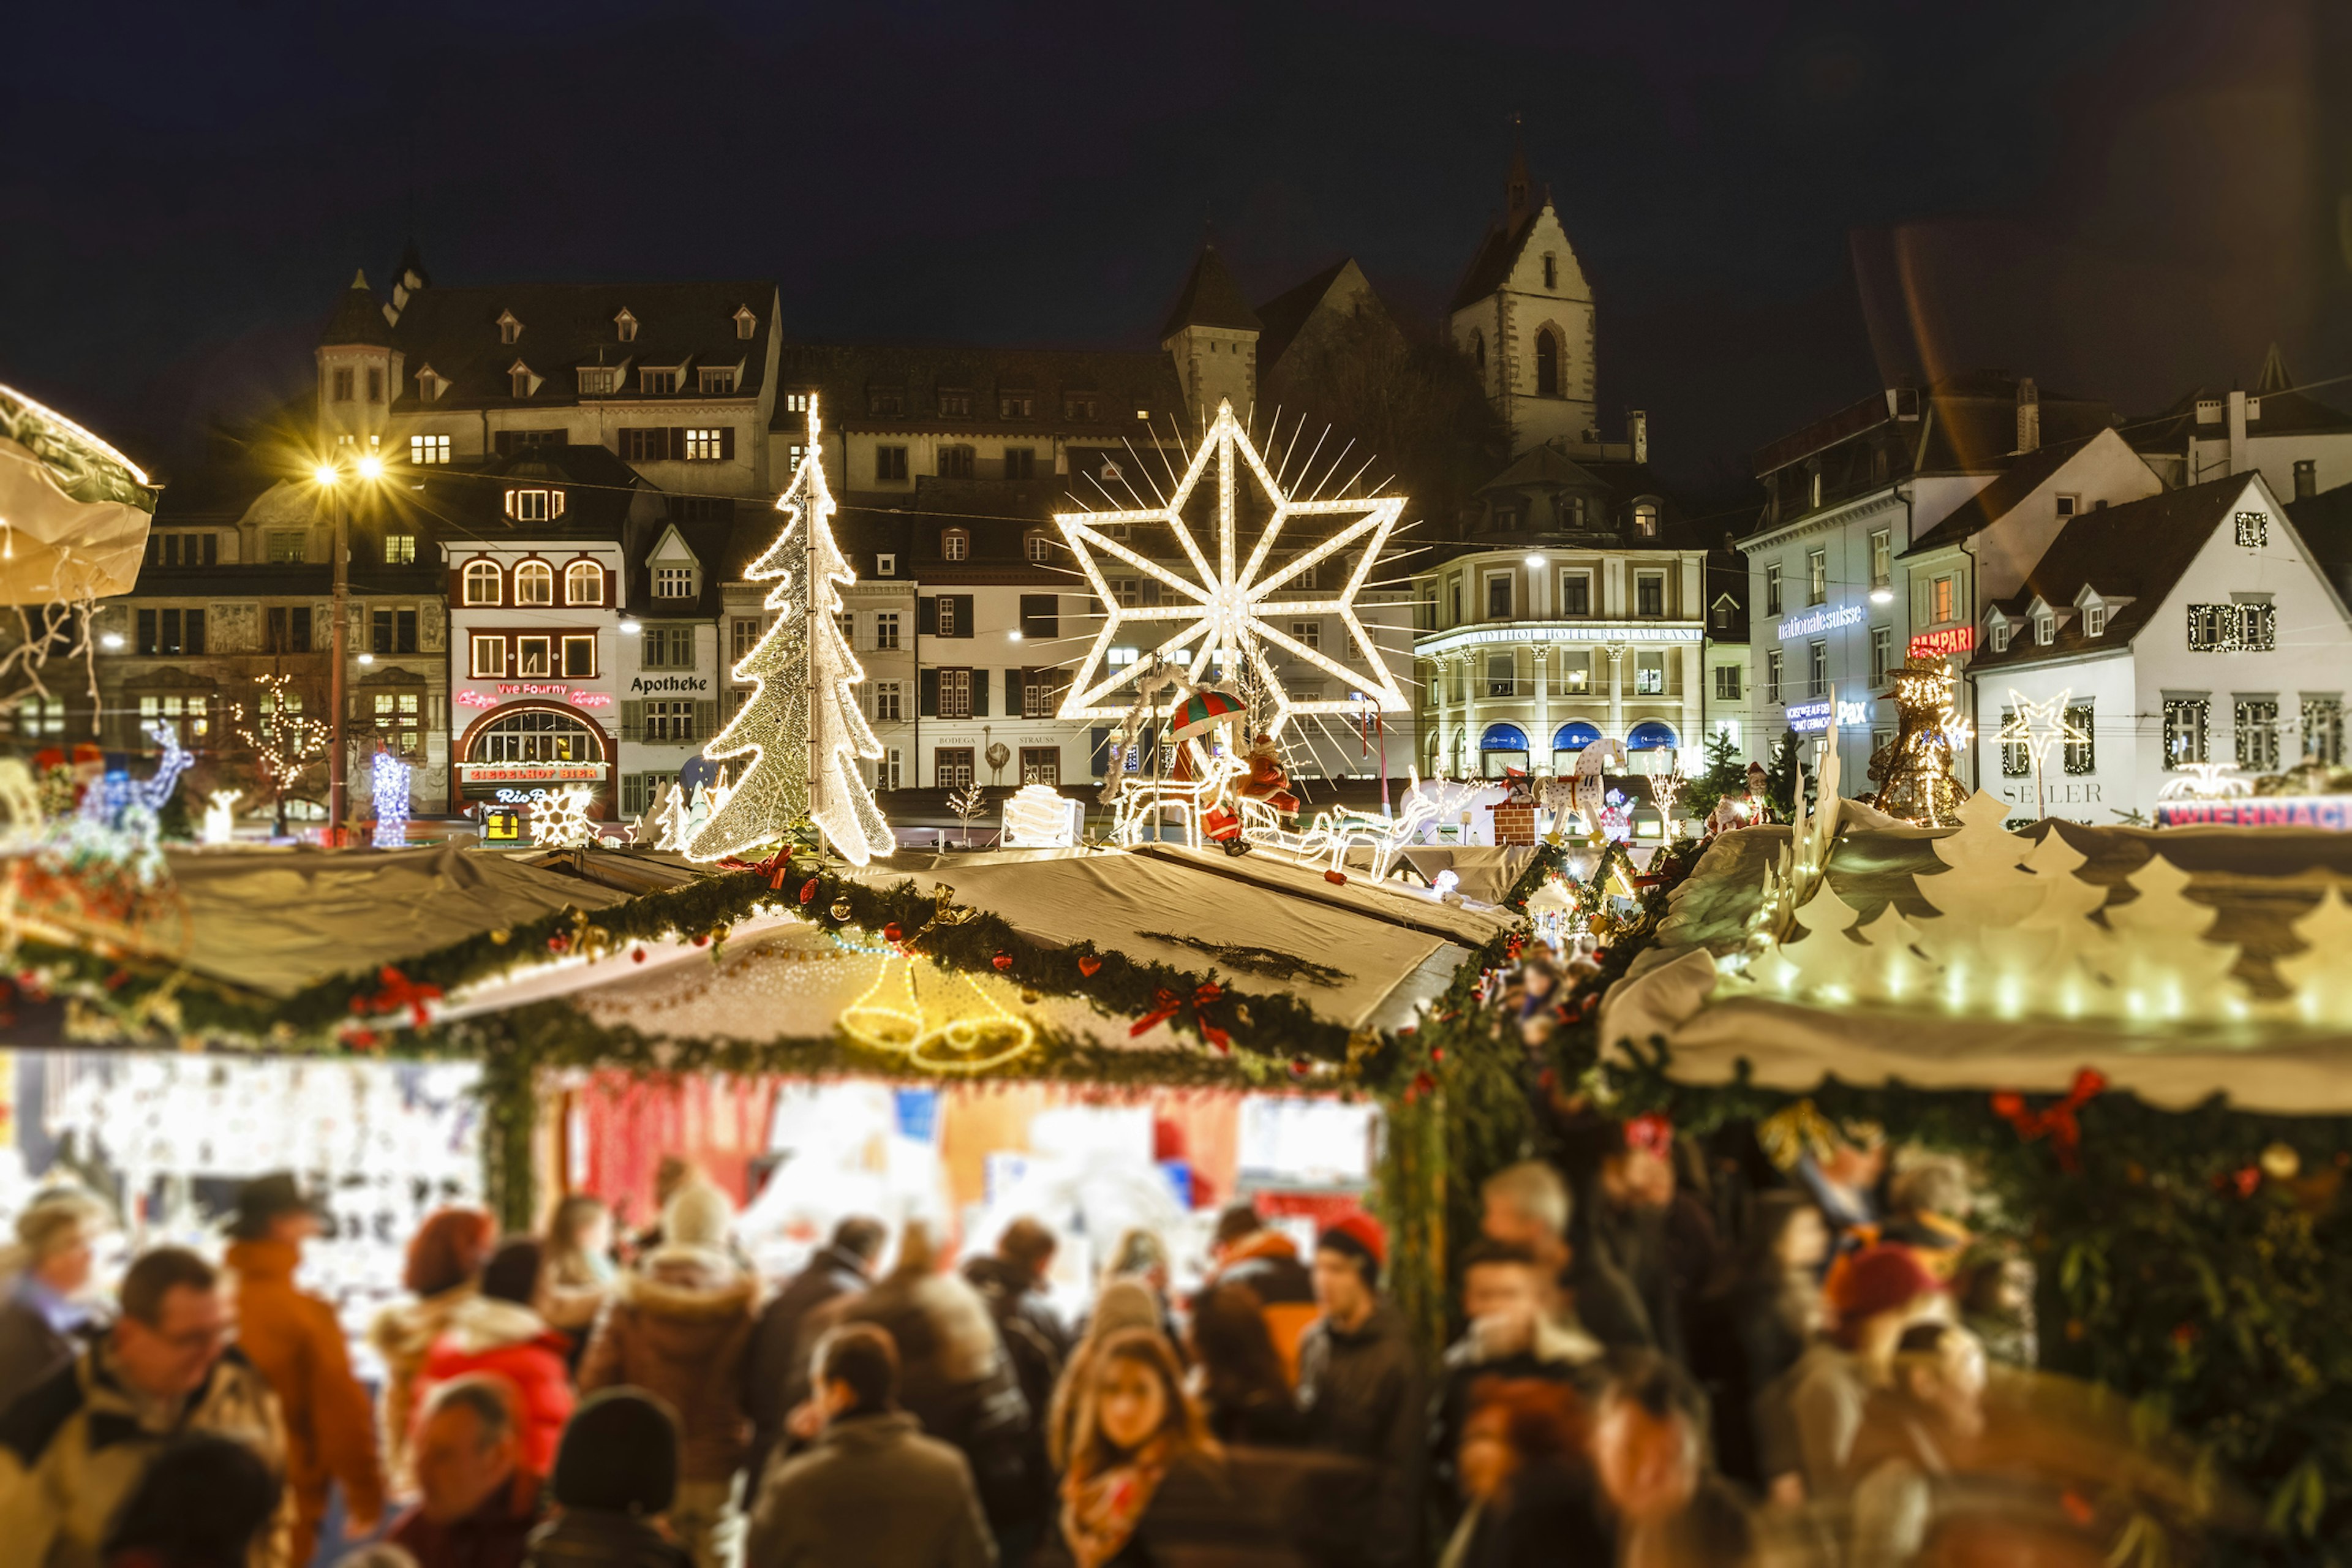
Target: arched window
{"x": 1547, "y": 363}
{"x": 481, "y": 582}
{"x": 1478, "y": 351}
{"x": 1645, "y": 519}
{"x": 535, "y": 735}
{"x": 583, "y": 584}
{"x": 534, "y": 583}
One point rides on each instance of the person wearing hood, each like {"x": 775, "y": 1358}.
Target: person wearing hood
{"x": 443, "y": 1271}
{"x": 873, "y": 1488}
{"x": 1123, "y": 1304}
{"x": 501, "y": 1333}
{"x": 776, "y": 1369}
{"x": 1250, "y": 1252}
{"x": 680, "y": 1327}
{"x": 47, "y": 1315}
{"x": 955, "y": 1378}
{"x": 615, "y": 1477}
{"x": 296, "y": 1342}
{"x": 1360, "y": 1383}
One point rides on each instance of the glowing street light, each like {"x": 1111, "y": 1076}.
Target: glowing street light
{"x": 369, "y": 469}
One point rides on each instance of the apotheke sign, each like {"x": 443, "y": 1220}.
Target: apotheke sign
{"x": 669, "y": 683}
{"x": 1818, "y": 619}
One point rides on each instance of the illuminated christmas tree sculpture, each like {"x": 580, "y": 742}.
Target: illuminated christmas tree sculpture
{"x": 801, "y": 727}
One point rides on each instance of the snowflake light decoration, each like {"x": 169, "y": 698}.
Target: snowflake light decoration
{"x": 561, "y": 820}
{"x": 1229, "y": 610}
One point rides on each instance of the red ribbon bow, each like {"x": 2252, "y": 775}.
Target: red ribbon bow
{"x": 397, "y": 992}
{"x": 1164, "y": 1007}
{"x": 2057, "y": 1122}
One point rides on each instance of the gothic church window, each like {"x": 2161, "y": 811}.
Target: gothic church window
{"x": 1547, "y": 363}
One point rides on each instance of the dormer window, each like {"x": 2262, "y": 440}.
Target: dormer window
{"x": 1016, "y": 405}
{"x": 2045, "y": 630}
{"x": 1646, "y": 520}
{"x": 2094, "y": 620}
{"x": 658, "y": 382}
{"x": 429, "y": 386}
{"x": 509, "y": 328}
{"x": 719, "y": 379}
{"x": 746, "y": 323}
{"x": 599, "y": 380}
{"x": 1040, "y": 548}
{"x": 955, "y": 544}
{"x": 534, "y": 504}
{"x": 673, "y": 582}
{"x": 626, "y": 326}
{"x": 2069, "y": 505}
{"x": 521, "y": 382}
{"x": 2000, "y": 635}
{"x": 955, "y": 402}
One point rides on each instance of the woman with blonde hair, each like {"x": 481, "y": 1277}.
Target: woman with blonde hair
{"x": 1141, "y": 1460}
{"x": 580, "y": 1272}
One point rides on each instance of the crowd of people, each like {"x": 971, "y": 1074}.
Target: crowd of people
{"x": 1666, "y": 1354}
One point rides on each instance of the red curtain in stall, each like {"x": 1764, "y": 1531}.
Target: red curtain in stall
{"x": 621, "y": 1125}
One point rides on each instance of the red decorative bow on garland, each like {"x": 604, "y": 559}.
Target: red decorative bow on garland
{"x": 2057, "y": 1122}
{"x": 1166, "y": 1003}
{"x": 398, "y": 993}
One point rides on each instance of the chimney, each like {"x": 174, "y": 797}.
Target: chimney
{"x": 2237, "y": 430}
{"x": 1637, "y": 430}
{"x": 2029, "y": 415}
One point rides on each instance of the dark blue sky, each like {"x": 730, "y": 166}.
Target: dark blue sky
{"x": 1779, "y": 204}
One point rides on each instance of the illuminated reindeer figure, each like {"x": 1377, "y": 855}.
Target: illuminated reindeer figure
{"x": 1336, "y": 832}
{"x": 1143, "y": 801}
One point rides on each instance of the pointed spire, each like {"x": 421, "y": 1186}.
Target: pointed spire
{"x": 2274, "y": 377}
{"x": 358, "y": 318}
{"x": 1210, "y": 297}
{"x": 1517, "y": 188}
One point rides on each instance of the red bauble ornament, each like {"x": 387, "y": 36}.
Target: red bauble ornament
{"x": 1002, "y": 960}
{"x": 1300, "y": 1066}
{"x": 808, "y": 889}
{"x": 891, "y": 932}
{"x": 637, "y": 955}
{"x": 1337, "y": 879}
{"x": 702, "y": 940}
{"x": 558, "y": 943}
{"x": 1088, "y": 964}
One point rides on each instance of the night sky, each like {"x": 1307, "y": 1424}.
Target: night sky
{"x": 1781, "y": 206}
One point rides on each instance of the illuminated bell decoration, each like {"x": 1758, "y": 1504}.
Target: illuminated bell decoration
{"x": 840, "y": 909}
{"x": 802, "y": 726}
{"x": 978, "y": 1036}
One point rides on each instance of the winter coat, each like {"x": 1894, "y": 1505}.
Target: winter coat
{"x": 598, "y": 1538}
{"x": 1551, "y": 1512}
{"x": 494, "y": 1536}
{"x": 1035, "y": 1343}
{"x": 32, "y": 1347}
{"x": 1194, "y": 1516}
{"x": 1560, "y": 1353}
{"x": 296, "y": 1341}
{"x": 1362, "y": 1392}
{"x": 507, "y": 1340}
{"x": 75, "y": 1447}
{"x": 873, "y": 1489}
{"x": 1257, "y": 1418}
{"x": 776, "y": 1369}
{"x": 402, "y": 1334}
{"x": 955, "y": 1378}
{"x": 1268, "y": 1262}
{"x": 1808, "y": 1418}
{"x": 679, "y": 1330}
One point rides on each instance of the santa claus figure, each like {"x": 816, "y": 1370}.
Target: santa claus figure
{"x": 1266, "y": 781}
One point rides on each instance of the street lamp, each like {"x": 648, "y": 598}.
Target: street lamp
{"x": 369, "y": 468}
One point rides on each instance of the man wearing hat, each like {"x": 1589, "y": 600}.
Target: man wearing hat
{"x": 1360, "y": 1383}
{"x": 294, "y": 1340}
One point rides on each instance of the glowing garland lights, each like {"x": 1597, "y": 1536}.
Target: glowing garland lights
{"x": 802, "y": 726}
{"x": 1228, "y": 610}
{"x": 388, "y": 783}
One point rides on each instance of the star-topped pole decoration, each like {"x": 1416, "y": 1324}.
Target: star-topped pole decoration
{"x": 1230, "y": 608}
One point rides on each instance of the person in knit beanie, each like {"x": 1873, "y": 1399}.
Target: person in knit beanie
{"x": 1361, "y": 1385}
{"x": 680, "y": 1327}
{"x": 615, "y": 1476}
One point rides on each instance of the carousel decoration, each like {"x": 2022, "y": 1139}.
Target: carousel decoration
{"x": 1914, "y": 771}
{"x": 1039, "y": 817}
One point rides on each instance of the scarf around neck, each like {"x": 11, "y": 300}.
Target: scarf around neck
{"x": 1100, "y": 1511}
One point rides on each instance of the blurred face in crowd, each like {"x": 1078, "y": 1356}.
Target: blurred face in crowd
{"x": 1485, "y": 1461}
{"x": 1339, "y": 1287}
{"x": 1502, "y": 1291}
{"x": 1648, "y": 1464}
{"x": 1951, "y": 1382}
{"x": 458, "y": 1466}
{"x": 1638, "y": 1178}
{"x": 1130, "y": 1404}
{"x": 294, "y": 1228}
{"x": 1804, "y": 1241}
{"x": 1504, "y": 1221}
{"x": 171, "y": 1358}
{"x": 595, "y": 1232}
{"x": 66, "y": 1268}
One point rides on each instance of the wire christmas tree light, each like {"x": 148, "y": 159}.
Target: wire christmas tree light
{"x": 802, "y": 727}
{"x": 1229, "y": 610}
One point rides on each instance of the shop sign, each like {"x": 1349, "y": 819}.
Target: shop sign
{"x": 2330, "y": 812}
{"x": 1818, "y": 619}
{"x": 669, "y": 683}
{"x": 531, "y": 773}
{"x": 502, "y": 824}
{"x": 1936, "y": 645}
{"x": 1808, "y": 718}
{"x": 579, "y": 697}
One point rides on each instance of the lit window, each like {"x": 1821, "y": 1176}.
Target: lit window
{"x": 400, "y": 550}
{"x": 481, "y": 582}
{"x": 1650, "y": 674}
{"x": 1645, "y": 522}
{"x": 673, "y": 582}
{"x": 287, "y": 547}
{"x": 796, "y": 402}
{"x": 1946, "y": 596}
{"x": 399, "y": 718}
{"x": 583, "y": 584}
{"x": 423, "y": 449}
{"x": 955, "y": 544}
{"x": 490, "y": 657}
{"x": 534, "y": 583}
{"x": 534, "y": 505}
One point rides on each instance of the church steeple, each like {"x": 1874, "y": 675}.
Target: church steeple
{"x": 1518, "y": 191}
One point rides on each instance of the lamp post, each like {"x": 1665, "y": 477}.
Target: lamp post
{"x": 370, "y": 467}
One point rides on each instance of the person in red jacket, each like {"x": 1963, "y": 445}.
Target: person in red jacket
{"x": 501, "y": 1333}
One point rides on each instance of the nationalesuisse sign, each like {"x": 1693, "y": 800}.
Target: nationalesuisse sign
{"x": 1818, "y": 619}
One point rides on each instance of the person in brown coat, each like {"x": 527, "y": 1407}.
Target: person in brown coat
{"x": 678, "y": 1328}
{"x": 294, "y": 1340}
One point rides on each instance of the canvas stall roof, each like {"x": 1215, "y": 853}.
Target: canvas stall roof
{"x": 276, "y": 924}
{"x": 2260, "y": 881}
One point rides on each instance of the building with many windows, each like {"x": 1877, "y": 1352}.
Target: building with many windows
{"x": 2193, "y": 627}
{"x": 2299, "y": 445}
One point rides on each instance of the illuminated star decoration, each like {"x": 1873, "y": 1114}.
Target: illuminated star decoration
{"x": 2038, "y": 726}
{"x": 1229, "y": 609}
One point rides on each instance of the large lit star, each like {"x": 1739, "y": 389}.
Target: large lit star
{"x": 1226, "y": 611}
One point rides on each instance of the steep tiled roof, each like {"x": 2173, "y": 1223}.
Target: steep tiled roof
{"x": 599, "y": 490}
{"x": 1544, "y": 465}
{"x": 2137, "y": 551}
{"x": 1281, "y": 317}
{"x": 358, "y": 318}
{"x": 848, "y": 377}
{"x": 1492, "y": 263}
{"x": 566, "y": 326}
{"x": 2279, "y": 412}
{"x": 2024, "y": 476}
{"x": 1210, "y": 297}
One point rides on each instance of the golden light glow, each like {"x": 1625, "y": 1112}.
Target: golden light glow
{"x": 326, "y": 473}
{"x": 371, "y": 466}
{"x": 890, "y": 1017}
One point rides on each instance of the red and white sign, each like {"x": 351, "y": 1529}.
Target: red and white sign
{"x": 531, "y": 773}
{"x": 1934, "y": 645}
{"x": 470, "y": 697}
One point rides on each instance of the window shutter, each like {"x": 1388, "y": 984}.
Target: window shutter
{"x": 633, "y": 794}
{"x": 980, "y": 694}
{"x": 706, "y": 719}
{"x": 929, "y": 698}
{"x": 963, "y": 613}
{"x": 196, "y": 634}
{"x": 926, "y": 620}
{"x": 676, "y": 441}
{"x": 727, "y": 442}
{"x": 633, "y": 721}
{"x": 1013, "y": 694}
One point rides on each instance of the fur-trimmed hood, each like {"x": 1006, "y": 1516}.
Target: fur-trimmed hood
{"x": 404, "y": 1330}
{"x": 484, "y": 1323}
